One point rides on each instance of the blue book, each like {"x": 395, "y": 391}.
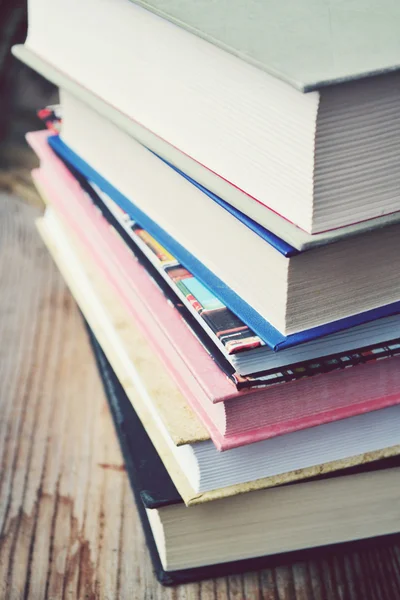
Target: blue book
{"x": 269, "y": 334}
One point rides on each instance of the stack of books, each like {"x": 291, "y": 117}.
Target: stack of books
{"x": 223, "y": 200}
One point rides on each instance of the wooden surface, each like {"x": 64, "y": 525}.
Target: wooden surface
{"x": 68, "y": 523}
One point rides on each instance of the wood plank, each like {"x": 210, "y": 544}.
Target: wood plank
{"x": 68, "y": 524}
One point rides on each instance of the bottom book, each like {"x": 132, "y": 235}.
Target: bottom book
{"x": 255, "y": 530}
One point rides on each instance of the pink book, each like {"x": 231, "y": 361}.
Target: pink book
{"x": 233, "y": 418}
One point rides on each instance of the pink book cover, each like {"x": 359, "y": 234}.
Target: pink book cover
{"x": 233, "y": 418}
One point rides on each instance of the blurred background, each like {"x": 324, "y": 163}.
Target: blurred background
{"x": 22, "y": 93}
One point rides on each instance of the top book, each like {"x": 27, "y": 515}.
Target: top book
{"x": 322, "y": 160}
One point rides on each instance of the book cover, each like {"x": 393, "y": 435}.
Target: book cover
{"x": 306, "y": 44}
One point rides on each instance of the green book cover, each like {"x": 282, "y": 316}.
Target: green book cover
{"x": 308, "y": 43}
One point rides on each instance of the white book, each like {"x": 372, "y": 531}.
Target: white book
{"x": 282, "y": 519}
{"x": 321, "y": 160}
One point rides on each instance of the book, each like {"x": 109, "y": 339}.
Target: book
{"x": 346, "y": 507}
{"x": 281, "y": 148}
{"x": 198, "y": 470}
{"x": 275, "y": 295}
{"x": 232, "y": 418}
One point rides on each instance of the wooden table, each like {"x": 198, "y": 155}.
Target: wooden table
{"x": 69, "y": 527}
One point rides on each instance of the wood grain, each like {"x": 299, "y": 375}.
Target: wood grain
{"x": 68, "y": 523}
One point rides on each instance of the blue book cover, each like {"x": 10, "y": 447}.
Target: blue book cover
{"x": 269, "y": 334}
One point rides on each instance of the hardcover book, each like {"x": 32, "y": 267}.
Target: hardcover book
{"x": 250, "y": 136}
